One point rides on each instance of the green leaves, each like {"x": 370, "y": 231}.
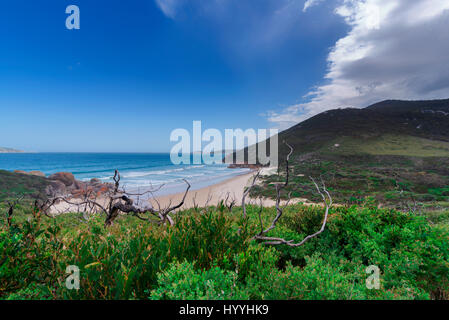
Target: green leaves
{"x": 184, "y": 281}
{"x": 131, "y": 260}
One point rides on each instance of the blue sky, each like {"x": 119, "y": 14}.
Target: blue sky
{"x": 138, "y": 69}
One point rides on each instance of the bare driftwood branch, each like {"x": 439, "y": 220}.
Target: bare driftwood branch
{"x": 410, "y": 204}
{"x": 118, "y": 201}
{"x": 327, "y": 199}
{"x": 126, "y": 205}
{"x": 247, "y": 191}
{"x": 44, "y": 206}
{"x": 229, "y": 202}
{"x": 11, "y": 207}
{"x": 279, "y": 188}
{"x": 325, "y": 195}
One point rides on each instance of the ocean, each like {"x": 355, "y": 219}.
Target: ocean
{"x": 138, "y": 171}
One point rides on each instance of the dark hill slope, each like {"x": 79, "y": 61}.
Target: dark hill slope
{"x": 391, "y": 127}
{"x": 428, "y": 120}
{"x": 394, "y": 151}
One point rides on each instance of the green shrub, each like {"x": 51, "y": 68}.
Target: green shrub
{"x": 403, "y": 246}
{"x": 183, "y": 281}
{"x": 318, "y": 280}
{"x": 212, "y": 237}
{"x": 131, "y": 260}
{"x": 439, "y": 191}
{"x": 25, "y": 261}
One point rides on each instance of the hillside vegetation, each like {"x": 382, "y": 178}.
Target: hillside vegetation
{"x": 15, "y": 185}
{"x": 209, "y": 254}
{"x": 386, "y": 167}
{"x": 390, "y": 122}
{"x": 395, "y": 153}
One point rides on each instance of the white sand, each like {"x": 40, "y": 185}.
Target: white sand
{"x": 212, "y": 195}
{"x": 231, "y": 189}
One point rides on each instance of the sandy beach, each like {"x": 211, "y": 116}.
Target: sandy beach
{"x": 231, "y": 189}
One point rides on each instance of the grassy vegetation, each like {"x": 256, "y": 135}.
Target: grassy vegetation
{"x": 15, "y": 185}
{"x": 209, "y": 254}
{"x": 388, "y": 181}
{"x": 393, "y": 153}
{"x": 389, "y": 176}
{"x": 389, "y": 128}
{"x": 389, "y": 144}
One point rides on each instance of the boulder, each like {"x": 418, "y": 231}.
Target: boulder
{"x": 103, "y": 189}
{"x": 81, "y": 193}
{"x": 95, "y": 181}
{"x": 64, "y": 184}
{"x": 244, "y": 165}
{"x": 80, "y": 184}
{"x": 56, "y": 188}
{"x": 65, "y": 177}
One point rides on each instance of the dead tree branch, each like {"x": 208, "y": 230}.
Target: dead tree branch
{"x": 11, "y": 206}
{"x": 325, "y": 195}
{"x": 229, "y": 202}
{"x": 119, "y": 201}
{"x": 247, "y": 191}
{"x": 327, "y": 199}
{"x": 126, "y": 205}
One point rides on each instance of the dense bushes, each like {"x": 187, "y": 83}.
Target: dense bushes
{"x": 183, "y": 281}
{"x": 209, "y": 254}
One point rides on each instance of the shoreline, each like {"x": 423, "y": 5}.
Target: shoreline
{"x": 231, "y": 189}
{"x": 210, "y": 195}
{"x": 172, "y": 188}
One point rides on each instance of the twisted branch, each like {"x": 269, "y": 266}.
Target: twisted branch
{"x": 247, "y": 191}
{"x": 119, "y": 201}
{"x": 325, "y": 195}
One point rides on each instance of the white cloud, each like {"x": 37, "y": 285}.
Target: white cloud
{"x": 245, "y": 27}
{"x": 311, "y": 3}
{"x": 169, "y": 7}
{"x": 394, "y": 50}
{"x": 288, "y": 117}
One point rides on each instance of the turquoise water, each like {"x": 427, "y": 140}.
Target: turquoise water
{"x": 138, "y": 171}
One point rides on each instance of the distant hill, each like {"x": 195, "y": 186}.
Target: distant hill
{"x": 376, "y": 151}
{"x": 391, "y": 127}
{"x": 9, "y": 150}
{"x": 415, "y": 128}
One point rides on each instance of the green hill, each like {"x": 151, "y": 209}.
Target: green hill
{"x": 391, "y": 127}
{"x": 394, "y": 151}
{"x": 415, "y": 128}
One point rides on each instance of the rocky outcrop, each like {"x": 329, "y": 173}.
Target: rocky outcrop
{"x": 244, "y": 165}
{"x": 56, "y": 188}
{"x": 65, "y": 177}
{"x": 64, "y": 184}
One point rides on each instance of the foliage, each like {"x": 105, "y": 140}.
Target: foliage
{"x": 13, "y": 185}
{"x": 209, "y": 254}
{"x": 391, "y": 181}
{"x": 183, "y": 281}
